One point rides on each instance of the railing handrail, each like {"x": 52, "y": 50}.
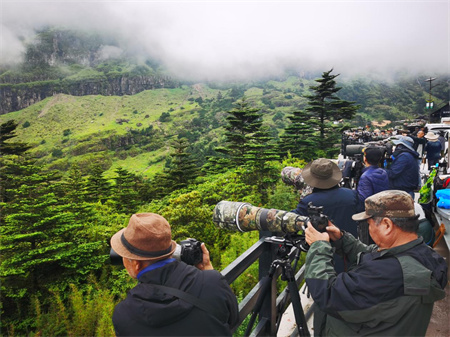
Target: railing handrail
{"x": 268, "y": 314}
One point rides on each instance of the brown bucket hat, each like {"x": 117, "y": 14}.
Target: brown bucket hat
{"x": 390, "y": 203}
{"x": 147, "y": 237}
{"x": 322, "y": 173}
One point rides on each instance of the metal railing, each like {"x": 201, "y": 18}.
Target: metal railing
{"x": 273, "y": 306}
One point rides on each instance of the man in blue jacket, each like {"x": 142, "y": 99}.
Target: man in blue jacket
{"x": 404, "y": 171}
{"x": 391, "y": 287}
{"x": 374, "y": 179}
{"x": 339, "y": 203}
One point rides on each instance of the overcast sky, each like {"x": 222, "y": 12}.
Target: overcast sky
{"x": 225, "y": 39}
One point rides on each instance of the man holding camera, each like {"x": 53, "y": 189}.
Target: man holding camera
{"x": 339, "y": 203}
{"x": 171, "y": 297}
{"x": 391, "y": 287}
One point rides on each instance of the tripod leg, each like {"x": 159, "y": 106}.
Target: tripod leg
{"x": 296, "y": 303}
{"x": 298, "y": 310}
{"x": 265, "y": 284}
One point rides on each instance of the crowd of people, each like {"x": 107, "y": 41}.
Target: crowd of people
{"x": 385, "y": 287}
{"x": 429, "y": 145}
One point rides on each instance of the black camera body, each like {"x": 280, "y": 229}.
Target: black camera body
{"x": 189, "y": 251}
{"x": 317, "y": 218}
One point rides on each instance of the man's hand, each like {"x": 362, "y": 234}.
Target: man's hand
{"x": 312, "y": 235}
{"x": 206, "y": 263}
{"x": 334, "y": 232}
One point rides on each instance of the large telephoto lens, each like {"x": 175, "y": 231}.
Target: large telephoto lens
{"x": 243, "y": 217}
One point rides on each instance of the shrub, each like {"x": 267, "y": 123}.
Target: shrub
{"x": 57, "y": 153}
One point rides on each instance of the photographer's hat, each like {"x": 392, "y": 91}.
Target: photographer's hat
{"x": 390, "y": 204}
{"x": 322, "y": 173}
{"x": 406, "y": 141}
{"x": 431, "y": 136}
{"x": 147, "y": 237}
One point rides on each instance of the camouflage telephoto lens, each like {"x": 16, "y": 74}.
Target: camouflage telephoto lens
{"x": 293, "y": 176}
{"x": 243, "y": 217}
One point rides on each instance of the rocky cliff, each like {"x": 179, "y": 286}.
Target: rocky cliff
{"x": 15, "y": 97}
{"x": 64, "y": 61}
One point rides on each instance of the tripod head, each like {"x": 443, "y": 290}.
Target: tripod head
{"x": 289, "y": 240}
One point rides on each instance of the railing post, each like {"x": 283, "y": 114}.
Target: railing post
{"x": 268, "y": 309}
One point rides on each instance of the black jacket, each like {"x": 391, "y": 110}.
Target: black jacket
{"x": 149, "y": 312}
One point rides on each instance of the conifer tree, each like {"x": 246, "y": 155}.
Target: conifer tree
{"x": 8, "y": 150}
{"x": 7, "y": 131}
{"x": 261, "y": 153}
{"x": 326, "y": 107}
{"x": 41, "y": 244}
{"x": 242, "y": 123}
{"x": 300, "y": 137}
{"x": 97, "y": 187}
{"x": 182, "y": 168}
{"x": 126, "y": 195}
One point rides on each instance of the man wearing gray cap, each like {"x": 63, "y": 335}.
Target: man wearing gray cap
{"x": 391, "y": 287}
{"x": 171, "y": 297}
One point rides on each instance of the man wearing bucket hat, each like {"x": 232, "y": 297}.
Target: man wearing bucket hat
{"x": 433, "y": 149}
{"x": 171, "y": 297}
{"x": 339, "y": 203}
{"x": 404, "y": 172}
{"x": 392, "y": 286}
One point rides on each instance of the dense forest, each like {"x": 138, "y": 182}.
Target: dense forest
{"x": 74, "y": 168}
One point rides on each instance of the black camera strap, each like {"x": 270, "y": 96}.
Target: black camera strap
{"x": 205, "y": 306}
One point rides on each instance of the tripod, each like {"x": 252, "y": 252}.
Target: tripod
{"x": 288, "y": 274}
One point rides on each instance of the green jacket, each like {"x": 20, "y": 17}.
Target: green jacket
{"x": 385, "y": 293}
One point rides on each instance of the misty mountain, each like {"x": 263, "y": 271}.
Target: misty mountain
{"x": 75, "y": 63}
{"x": 79, "y": 99}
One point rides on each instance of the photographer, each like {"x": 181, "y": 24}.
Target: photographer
{"x": 374, "y": 179}
{"x": 171, "y": 297}
{"x": 404, "y": 172}
{"x": 391, "y": 287}
{"x": 339, "y": 203}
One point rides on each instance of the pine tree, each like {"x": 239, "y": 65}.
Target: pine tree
{"x": 182, "y": 168}
{"x": 97, "y": 187}
{"x": 325, "y": 107}
{"x": 300, "y": 137}
{"x": 261, "y": 153}
{"x": 242, "y": 122}
{"x": 125, "y": 192}
{"x": 7, "y": 131}
{"x": 8, "y": 152}
{"x": 42, "y": 245}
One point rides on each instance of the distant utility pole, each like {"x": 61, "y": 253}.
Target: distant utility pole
{"x": 430, "y": 102}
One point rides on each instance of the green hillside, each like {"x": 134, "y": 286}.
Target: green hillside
{"x": 77, "y": 128}
{"x": 134, "y": 131}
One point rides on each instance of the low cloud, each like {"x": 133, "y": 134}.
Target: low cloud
{"x": 240, "y": 40}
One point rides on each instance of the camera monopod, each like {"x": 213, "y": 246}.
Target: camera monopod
{"x": 288, "y": 274}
